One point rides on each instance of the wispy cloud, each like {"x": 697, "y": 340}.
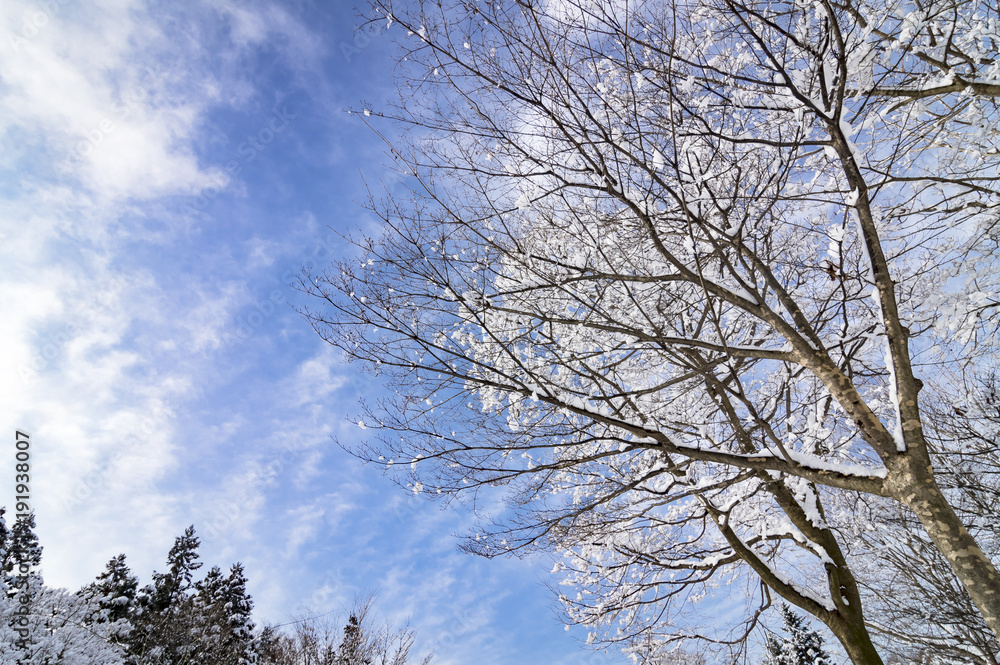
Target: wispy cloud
{"x": 105, "y": 108}
{"x": 150, "y": 227}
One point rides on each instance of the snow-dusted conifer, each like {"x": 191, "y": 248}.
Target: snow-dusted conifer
{"x": 44, "y": 626}
{"x": 352, "y": 649}
{"x": 165, "y": 619}
{"x": 112, "y": 596}
{"x": 237, "y": 606}
{"x": 4, "y": 544}
{"x": 23, "y": 581}
{"x": 223, "y": 608}
{"x": 182, "y": 562}
{"x": 115, "y": 590}
{"x": 803, "y": 646}
{"x": 23, "y": 553}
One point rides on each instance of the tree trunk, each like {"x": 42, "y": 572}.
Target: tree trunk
{"x": 856, "y": 641}
{"x": 848, "y": 621}
{"x": 911, "y": 476}
{"x": 915, "y": 486}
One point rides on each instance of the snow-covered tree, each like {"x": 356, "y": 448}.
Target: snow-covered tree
{"x": 113, "y": 593}
{"x": 803, "y": 646}
{"x": 165, "y": 619}
{"x": 44, "y": 626}
{"x": 58, "y": 632}
{"x": 182, "y": 561}
{"x": 224, "y": 606}
{"x": 669, "y": 272}
{"x": 653, "y": 653}
{"x": 22, "y": 555}
{"x": 176, "y": 620}
{"x": 22, "y": 580}
{"x": 4, "y": 544}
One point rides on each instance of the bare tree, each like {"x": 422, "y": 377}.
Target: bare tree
{"x": 360, "y": 641}
{"x": 666, "y": 272}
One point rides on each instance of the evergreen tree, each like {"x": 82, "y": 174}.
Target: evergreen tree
{"x": 115, "y": 589}
{"x": 352, "y": 650}
{"x": 4, "y": 542}
{"x": 238, "y": 606}
{"x": 22, "y": 553}
{"x": 182, "y": 561}
{"x": 22, "y": 582}
{"x": 113, "y": 597}
{"x": 209, "y": 633}
{"x": 180, "y": 621}
{"x": 801, "y": 647}
{"x": 175, "y": 620}
{"x": 165, "y": 618}
{"x": 224, "y": 609}
{"x": 40, "y": 625}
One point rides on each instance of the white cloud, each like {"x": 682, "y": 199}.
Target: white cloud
{"x": 318, "y": 377}
{"x": 147, "y": 411}
{"x": 102, "y": 113}
{"x": 106, "y": 114}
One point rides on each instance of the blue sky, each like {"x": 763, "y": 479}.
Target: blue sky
{"x": 165, "y": 169}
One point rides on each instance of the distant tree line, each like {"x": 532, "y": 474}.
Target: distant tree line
{"x": 176, "y": 619}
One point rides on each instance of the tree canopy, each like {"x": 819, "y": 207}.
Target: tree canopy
{"x": 686, "y": 279}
